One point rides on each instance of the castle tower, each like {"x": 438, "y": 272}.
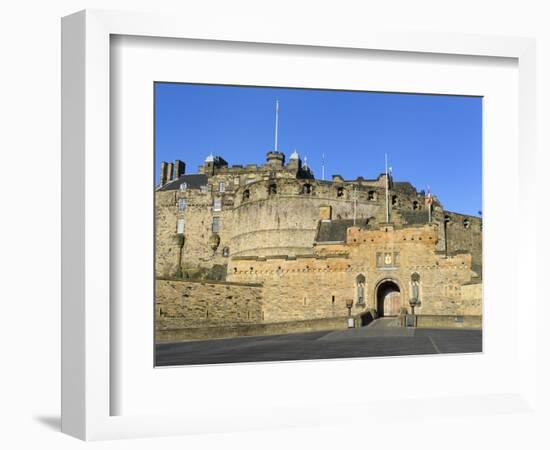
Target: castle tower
{"x": 275, "y": 159}
{"x": 294, "y": 162}
{"x": 211, "y": 163}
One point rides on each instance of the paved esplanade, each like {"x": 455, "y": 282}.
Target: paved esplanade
{"x": 380, "y": 338}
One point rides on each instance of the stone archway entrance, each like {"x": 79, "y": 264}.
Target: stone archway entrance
{"x": 388, "y": 298}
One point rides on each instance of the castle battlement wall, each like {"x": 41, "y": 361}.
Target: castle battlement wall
{"x": 311, "y": 244}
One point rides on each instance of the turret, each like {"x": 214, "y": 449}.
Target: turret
{"x": 275, "y": 159}
{"x": 294, "y": 162}
{"x": 211, "y": 163}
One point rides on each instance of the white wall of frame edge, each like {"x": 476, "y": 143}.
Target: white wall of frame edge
{"x": 85, "y": 404}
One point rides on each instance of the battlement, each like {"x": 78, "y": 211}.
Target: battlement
{"x": 387, "y": 233}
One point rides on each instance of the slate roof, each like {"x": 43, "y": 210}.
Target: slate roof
{"x": 194, "y": 181}
{"x": 334, "y": 231}
{"x": 414, "y": 217}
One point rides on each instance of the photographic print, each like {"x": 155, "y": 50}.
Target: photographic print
{"x": 299, "y": 224}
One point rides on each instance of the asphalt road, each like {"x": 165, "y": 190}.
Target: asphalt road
{"x": 362, "y": 342}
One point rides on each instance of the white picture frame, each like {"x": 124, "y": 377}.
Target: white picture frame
{"x": 87, "y": 317}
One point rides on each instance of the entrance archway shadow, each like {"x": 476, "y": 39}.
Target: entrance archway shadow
{"x": 366, "y": 318}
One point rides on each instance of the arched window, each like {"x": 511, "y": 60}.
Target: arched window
{"x": 306, "y": 188}
{"x": 416, "y": 205}
{"x": 360, "y": 286}
{"x": 272, "y": 189}
{"x": 371, "y": 195}
{"x": 339, "y": 191}
{"x": 466, "y": 223}
{"x": 246, "y": 195}
{"x": 225, "y": 252}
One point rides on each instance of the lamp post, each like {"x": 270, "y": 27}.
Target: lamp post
{"x": 413, "y": 302}
{"x": 349, "y": 304}
{"x": 410, "y": 319}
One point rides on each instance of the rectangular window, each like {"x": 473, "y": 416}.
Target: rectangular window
{"x": 222, "y": 186}
{"x": 204, "y": 189}
{"x": 217, "y": 204}
{"x": 215, "y": 225}
{"x": 181, "y": 205}
{"x": 181, "y": 226}
{"x": 183, "y": 186}
{"x": 237, "y": 181}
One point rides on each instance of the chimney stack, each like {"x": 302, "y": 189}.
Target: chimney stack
{"x": 163, "y": 173}
{"x": 171, "y": 171}
{"x": 179, "y": 169}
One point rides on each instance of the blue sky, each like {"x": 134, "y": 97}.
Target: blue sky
{"x": 431, "y": 140}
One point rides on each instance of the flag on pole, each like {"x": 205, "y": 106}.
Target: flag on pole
{"x": 429, "y": 199}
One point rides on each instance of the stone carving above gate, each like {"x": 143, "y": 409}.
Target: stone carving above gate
{"x": 387, "y": 260}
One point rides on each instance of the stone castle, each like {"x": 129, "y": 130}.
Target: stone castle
{"x": 260, "y": 249}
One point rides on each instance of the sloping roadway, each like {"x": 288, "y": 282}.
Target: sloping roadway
{"x": 381, "y": 338}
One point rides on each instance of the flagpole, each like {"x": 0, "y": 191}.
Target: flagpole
{"x": 276, "y": 123}
{"x": 429, "y": 202}
{"x": 387, "y": 191}
{"x": 354, "y": 204}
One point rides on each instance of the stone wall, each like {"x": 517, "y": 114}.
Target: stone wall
{"x": 454, "y": 321}
{"x": 257, "y": 329}
{"x": 299, "y": 289}
{"x": 471, "y": 299}
{"x": 167, "y": 245}
{"x": 199, "y": 246}
{"x": 464, "y": 233}
{"x": 187, "y": 304}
